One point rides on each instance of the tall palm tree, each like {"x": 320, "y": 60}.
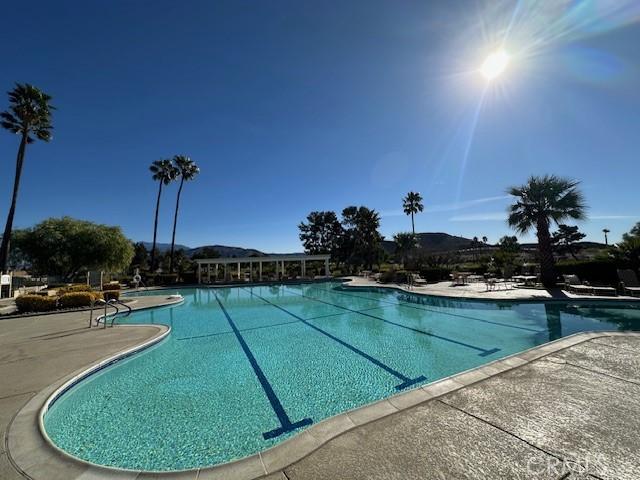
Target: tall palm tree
{"x": 412, "y": 204}
{"x": 539, "y": 202}
{"x": 30, "y": 117}
{"x": 164, "y": 173}
{"x": 606, "y": 232}
{"x": 187, "y": 170}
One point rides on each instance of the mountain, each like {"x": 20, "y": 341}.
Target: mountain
{"x": 434, "y": 242}
{"x": 164, "y": 247}
{"x": 223, "y": 250}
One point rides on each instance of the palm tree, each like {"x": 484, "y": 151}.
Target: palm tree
{"x": 539, "y": 202}
{"x": 606, "y": 232}
{"x": 412, "y": 204}
{"x": 187, "y": 170}
{"x": 164, "y": 173}
{"x": 405, "y": 242}
{"x": 30, "y": 117}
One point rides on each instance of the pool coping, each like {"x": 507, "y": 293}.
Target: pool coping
{"x": 275, "y": 458}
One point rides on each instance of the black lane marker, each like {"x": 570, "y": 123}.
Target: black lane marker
{"x": 406, "y": 381}
{"x": 285, "y": 423}
{"x": 408, "y": 305}
{"x": 483, "y": 351}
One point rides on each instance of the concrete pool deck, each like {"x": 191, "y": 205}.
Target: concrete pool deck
{"x": 568, "y": 409}
{"x": 478, "y": 291}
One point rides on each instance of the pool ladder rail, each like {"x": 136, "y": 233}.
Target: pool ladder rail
{"x": 113, "y": 303}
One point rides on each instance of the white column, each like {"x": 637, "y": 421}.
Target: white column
{"x": 250, "y": 271}
{"x": 304, "y": 268}
{"x": 199, "y": 273}
{"x": 260, "y": 270}
{"x": 238, "y": 270}
{"x": 283, "y": 269}
{"x": 326, "y": 267}
{"x": 226, "y": 274}
{"x": 208, "y": 273}
{"x": 216, "y": 272}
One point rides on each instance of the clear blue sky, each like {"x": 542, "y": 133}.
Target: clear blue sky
{"x": 293, "y": 106}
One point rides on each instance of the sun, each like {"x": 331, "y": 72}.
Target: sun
{"x": 494, "y": 65}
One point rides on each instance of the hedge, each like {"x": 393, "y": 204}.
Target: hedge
{"x": 111, "y": 286}
{"x": 76, "y": 299}
{"x": 435, "y": 274}
{"x": 36, "y": 303}
{"x": 74, "y": 288}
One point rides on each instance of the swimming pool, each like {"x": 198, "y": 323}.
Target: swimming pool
{"x": 247, "y": 367}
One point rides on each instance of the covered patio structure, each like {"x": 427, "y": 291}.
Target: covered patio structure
{"x": 209, "y": 267}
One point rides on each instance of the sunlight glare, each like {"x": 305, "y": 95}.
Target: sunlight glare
{"x": 494, "y": 65}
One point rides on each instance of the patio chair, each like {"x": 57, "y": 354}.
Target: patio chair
{"x": 574, "y": 285}
{"x": 417, "y": 280}
{"x": 629, "y": 282}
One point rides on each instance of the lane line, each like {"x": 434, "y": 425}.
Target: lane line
{"x": 285, "y": 422}
{"x": 483, "y": 351}
{"x": 406, "y": 381}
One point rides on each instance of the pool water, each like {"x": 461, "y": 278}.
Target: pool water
{"x": 247, "y": 367}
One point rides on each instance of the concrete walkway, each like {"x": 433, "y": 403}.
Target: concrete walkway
{"x": 40, "y": 350}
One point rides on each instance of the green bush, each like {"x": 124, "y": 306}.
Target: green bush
{"x": 111, "y": 286}
{"x": 36, "y": 303}
{"x": 76, "y": 299}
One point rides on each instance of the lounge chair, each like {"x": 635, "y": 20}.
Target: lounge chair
{"x": 573, "y": 284}
{"x": 629, "y": 282}
{"x": 417, "y": 280}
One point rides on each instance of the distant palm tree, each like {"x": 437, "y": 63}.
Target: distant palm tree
{"x": 187, "y": 170}
{"x": 606, "y": 232}
{"x": 412, "y": 204}
{"x": 539, "y": 202}
{"x": 164, "y": 173}
{"x": 485, "y": 240}
{"x": 405, "y": 243}
{"x": 30, "y": 117}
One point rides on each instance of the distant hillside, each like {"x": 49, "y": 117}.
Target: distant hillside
{"x": 223, "y": 250}
{"x": 434, "y": 242}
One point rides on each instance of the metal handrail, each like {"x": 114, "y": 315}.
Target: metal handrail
{"x": 109, "y": 303}
{"x": 120, "y": 302}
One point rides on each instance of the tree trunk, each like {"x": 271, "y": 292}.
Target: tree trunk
{"x": 545, "y": 251}
{"x": 155, "y": 230}
{"x": 175, "y": 222}
{"x": 6, "y": 236}
{"x": 413, "y": 227}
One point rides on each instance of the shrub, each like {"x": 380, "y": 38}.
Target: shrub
{"x": 74, "y": 288}
{"x": 36, "y": 303}
{"x": 111, "y": 295}
{"x": 393, "y": 276}
{"x": 111, "y": 286}
{"x": 435, "y": 274}
{"x": 165, "y": 279}
{"x": 76, "y": 299}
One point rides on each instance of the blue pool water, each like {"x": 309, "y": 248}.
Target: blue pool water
{"x": 246, "y": 368}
